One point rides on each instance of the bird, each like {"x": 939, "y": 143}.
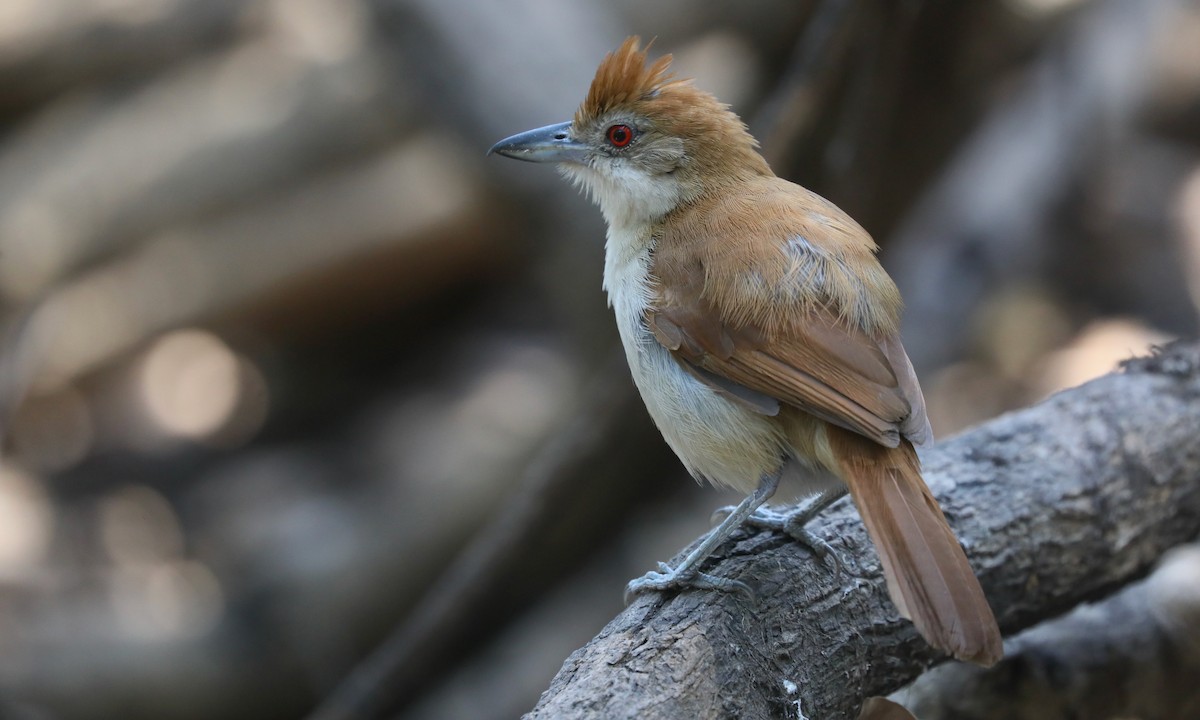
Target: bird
{"x": 762, "y": 334}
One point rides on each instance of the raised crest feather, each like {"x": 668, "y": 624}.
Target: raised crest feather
{"x": 624, "y": 78}
{"x": 717, "y": 146}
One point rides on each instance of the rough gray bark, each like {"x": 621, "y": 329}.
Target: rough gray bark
{"x": 1135, "y": 655}
{"x": 1056, "y": 504}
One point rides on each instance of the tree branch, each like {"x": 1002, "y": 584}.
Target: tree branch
{"x": 1136, "y": 655}
{"x": 1057, "y": 504}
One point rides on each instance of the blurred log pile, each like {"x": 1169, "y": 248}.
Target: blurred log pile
{"x": 283, "y": 354}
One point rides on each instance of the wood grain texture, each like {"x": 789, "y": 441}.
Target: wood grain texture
{"x": 1134, "y": 655}
{"x": 1057, "y": 504}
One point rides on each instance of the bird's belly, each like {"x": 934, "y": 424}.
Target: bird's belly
{"x": 717, "y": 439}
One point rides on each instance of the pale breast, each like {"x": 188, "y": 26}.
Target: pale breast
{"x": 717, "y": 440}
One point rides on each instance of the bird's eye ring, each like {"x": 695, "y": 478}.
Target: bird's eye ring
{"x": 619, "y": 135}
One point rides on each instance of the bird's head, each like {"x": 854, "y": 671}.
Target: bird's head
{"x": 643, "y": 142}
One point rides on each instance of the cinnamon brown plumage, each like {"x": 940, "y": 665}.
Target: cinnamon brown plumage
{"x": 761, "y": 331}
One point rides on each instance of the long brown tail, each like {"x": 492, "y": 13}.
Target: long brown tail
{"x": 927, "y": 573}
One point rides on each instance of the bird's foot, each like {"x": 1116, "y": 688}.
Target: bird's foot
{"x": 668, "y": 578}
{"x": 793, "y": 525}
{"x": 687, "y": 574}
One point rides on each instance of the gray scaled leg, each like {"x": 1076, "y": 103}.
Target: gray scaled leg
{"x": 793, "y": 523}
{"x": 686, "y": 574}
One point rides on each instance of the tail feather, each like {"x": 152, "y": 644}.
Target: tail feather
{"x": 927, "y": 573}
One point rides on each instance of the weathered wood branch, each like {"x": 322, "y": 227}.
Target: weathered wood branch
{"x": 1137, "y": 654}
{"x": 1057, "y": 504}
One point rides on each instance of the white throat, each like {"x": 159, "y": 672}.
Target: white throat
{"x": 632, "y": 201}
{"x": 627, "y": 253}
{"x": 629, "y": 198}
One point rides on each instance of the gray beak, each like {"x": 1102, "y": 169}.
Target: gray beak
{"x": 549, "y": 144}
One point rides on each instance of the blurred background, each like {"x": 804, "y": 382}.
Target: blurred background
{"x": 290, "y": 367}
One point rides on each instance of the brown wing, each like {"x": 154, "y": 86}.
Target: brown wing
{"x": 773, "y": 296}
{"x": 838, "y": 374}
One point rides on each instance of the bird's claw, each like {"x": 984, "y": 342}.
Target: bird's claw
{"x": 793, "y": 525}
{"x": 667, "y": 578}
{"x": 721, "y": 513}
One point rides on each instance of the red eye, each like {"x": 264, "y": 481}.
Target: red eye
{"x": 620, "y": 135}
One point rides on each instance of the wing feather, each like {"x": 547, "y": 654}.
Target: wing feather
{"x": 741, "y": 319}
{"x": 811, "y": 376}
